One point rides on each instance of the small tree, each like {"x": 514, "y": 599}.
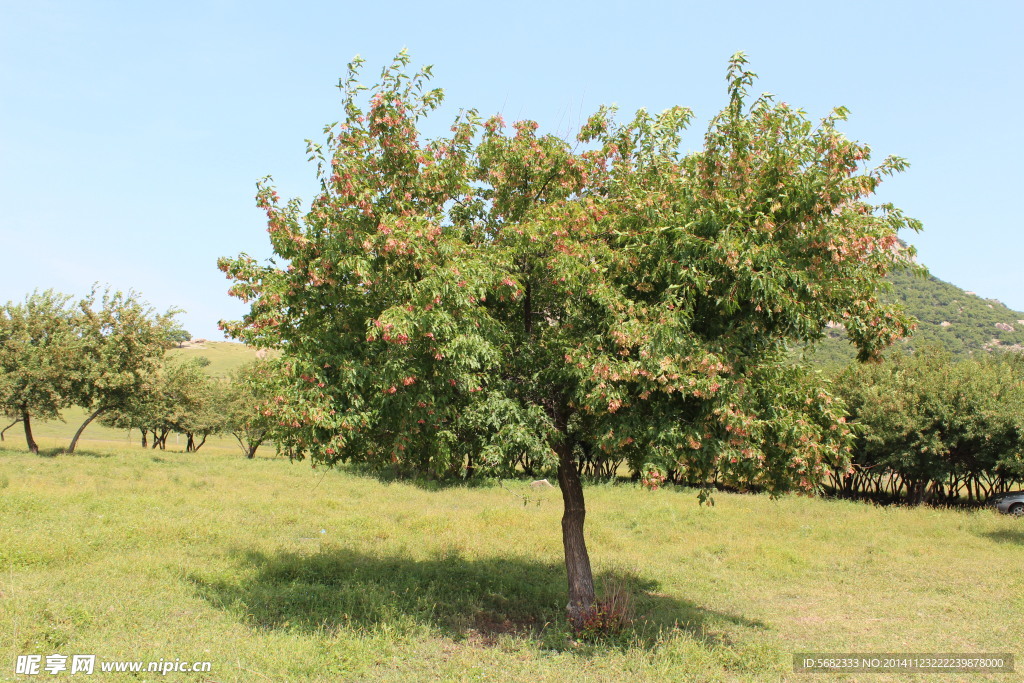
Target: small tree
{"x": 143, "y": 411}
{"x": 123, "y": 340}
{"x": 40, "y": 348}
{"x": 247, "y": 404}
{"x": 460, "y": 302}
{"x": 179, "y": 397}
{"x": 194, "y": 404}
{"x": 179, "y": 336}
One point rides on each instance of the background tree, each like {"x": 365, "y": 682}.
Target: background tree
{"x": 143, "y": 411}
{"x": 247, "y": 401}
{"x": 180, "y": 398}
{"x": 122, "y": 341}
{"x": 40, "y": 345}
{"x": 14, "y": 418}
{"x": 931, "y": 427}
{"x": 464, "y": 301}
{"x": 178, "y": 335}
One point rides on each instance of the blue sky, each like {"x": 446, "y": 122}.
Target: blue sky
{"x": 131, "y": 134}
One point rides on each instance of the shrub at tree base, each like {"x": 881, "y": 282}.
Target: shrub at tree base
{"x": 468, "y": 302}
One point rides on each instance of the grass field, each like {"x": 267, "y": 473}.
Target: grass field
{"x": 273, "y": 571}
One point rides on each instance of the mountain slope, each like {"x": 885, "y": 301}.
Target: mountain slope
{"x": 959, "y": 321}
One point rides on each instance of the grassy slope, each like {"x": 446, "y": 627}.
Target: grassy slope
{"x": 224, "y": 357}
{"x": 273, "y": 571}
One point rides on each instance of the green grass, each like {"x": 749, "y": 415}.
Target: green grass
{"x": 273, "y": 571}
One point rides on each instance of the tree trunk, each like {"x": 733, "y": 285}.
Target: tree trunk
{"x": 144, "y": 444}
{"x": 577, "y": 561}
{"x": 251, "y": 451}
{"x": 78, "y": 434}
{"x": 33, "y": 447}
{"x": 190, "y": 443}
{"x": 197, "y": 446}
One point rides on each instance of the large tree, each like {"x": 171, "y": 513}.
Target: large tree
{"x": 463, "y": 301}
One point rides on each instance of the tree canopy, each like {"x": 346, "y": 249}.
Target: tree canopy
{"x": 39, "y": 345}
{"x": 457, "y": 302}
{"x": 94, "y": 353}
{"x": 123, "y": 340}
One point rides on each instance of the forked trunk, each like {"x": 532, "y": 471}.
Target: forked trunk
{"x": 26, "y": 419}
{"x": 577, "y": 561}
{"x": 78, "y": 434}
{"x": 248, "y": 447}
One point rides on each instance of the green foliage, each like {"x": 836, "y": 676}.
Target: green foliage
{"x": 498, "y": 296}
{"x": 935, "y": 428}
{"x": 246, "y": 403}
{"x": 40, "y": 347}
{"x": 489, "y": 294}
{"x": 95, "y": 354}
{"x": 179, "y": 336}
{"x": 180, "y": 398}
{"x": 123, "y": 341}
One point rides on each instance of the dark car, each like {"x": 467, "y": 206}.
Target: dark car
{"x": 1010, "y": 503}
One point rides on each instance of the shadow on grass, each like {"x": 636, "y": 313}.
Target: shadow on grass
{"x": 63, "y": 452}
{"x": 1015, "y": 536}
{"x": 478, "y": 481}
{"x": 388, "y": 475}
{"x": 85, "y": 453}
{"x": 476, "y": 599}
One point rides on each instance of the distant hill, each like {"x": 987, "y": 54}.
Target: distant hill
{"x": 223, "y": 356}
{"x": 959, "y": 321}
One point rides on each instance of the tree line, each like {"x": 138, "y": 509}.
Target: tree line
{"x": 933, "y": 428}
{"x": 105, "y": 353}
